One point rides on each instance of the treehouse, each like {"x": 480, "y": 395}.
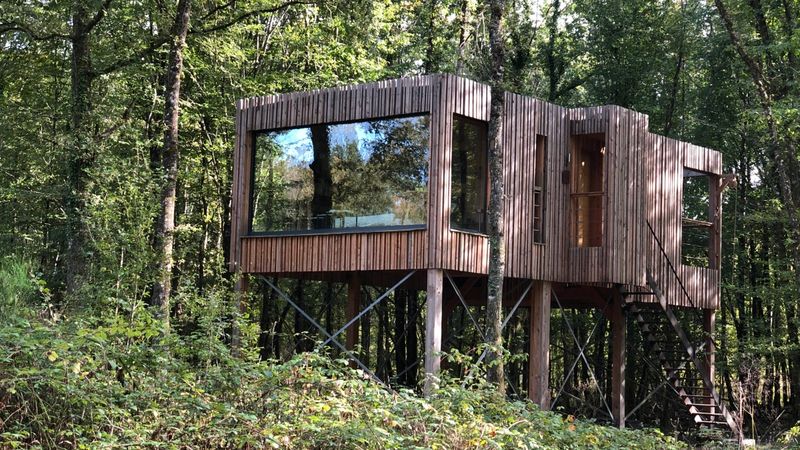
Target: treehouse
{"x": 386, "y": 184}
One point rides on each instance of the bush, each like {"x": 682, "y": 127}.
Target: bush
{"x": 114, "y": 380}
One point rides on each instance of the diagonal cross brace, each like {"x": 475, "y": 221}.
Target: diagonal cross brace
{"x": 503, "y": 325}
{"x": 324, "y": 331}
{"x": 581, "y": 355}
{"x": 367, "y": 309}
{"x": 466, "y": 308}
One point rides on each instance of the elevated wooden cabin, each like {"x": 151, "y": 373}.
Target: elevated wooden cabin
{"x": 597, "y": 207}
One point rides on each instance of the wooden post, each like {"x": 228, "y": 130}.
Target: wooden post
{"x": 433, "y": 330}
{"x": 353, "y": 308}
{"x": 709, "y": 322}
{"x": 618, "y": 330}
{"x": 539, "y": 350}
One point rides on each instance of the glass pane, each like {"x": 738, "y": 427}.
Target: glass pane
{"x": 695, "y": 195}
{"x": 538, "y": 188}
{"x": 364, "y": 174}
{"x": 695, "y": 246}
{"x": 588, "y": 190}
{"x": 590, "y": 151}
{"x": 697, "y": 223}
{"x": 468, "y": 175}
{"x": 588, "y": 221}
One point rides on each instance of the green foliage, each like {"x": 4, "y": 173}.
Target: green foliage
{"x": 91, "y": 383}
{"x": 792, "y": 436}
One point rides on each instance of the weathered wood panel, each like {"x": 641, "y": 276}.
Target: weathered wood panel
{"x": 665, "y": 161}
{"x": 399, "y": 250}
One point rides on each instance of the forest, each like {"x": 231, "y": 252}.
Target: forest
{"x": 119, "y": 322}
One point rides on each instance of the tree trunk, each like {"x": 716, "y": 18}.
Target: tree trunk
{"x": 554, "y": 71}
{"x": 674, "y": 87}
{"x": 301, "y": 340}
{"x": 400, "y": 327}
{"x": 266, "y": 322}
{"x": 462, "y": 36}
{"x": 80, "y": 157}
{"x": 781, "y": 150}
{"x": 322, "y": 201}
{"x": 494, "y": 301}
{"x": 411, "y": 340}
{"x": 165, "y": 226}
{"x": 366, "y": 329}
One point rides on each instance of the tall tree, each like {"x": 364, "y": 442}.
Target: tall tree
{"x": 165, "y": 225}
{"x": 497, "y": 252}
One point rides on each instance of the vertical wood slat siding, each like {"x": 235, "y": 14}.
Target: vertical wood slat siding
{"x": 397, "y": 250}
{"x": 643, "y": 180}
{"x": 666, "y": 160}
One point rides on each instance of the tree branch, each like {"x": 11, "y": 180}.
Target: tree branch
{"x": 36, "y": 36}
{"x": 154, "y": 45}
{"x": 243, "y": 16}
{"x": 752, "y": 65}
{"x": 98, "y": 17}
{"x": 216, "y": 9}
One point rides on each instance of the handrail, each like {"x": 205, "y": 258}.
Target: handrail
{"x": 669, "y": 262}
{"x": 707, "y": 381}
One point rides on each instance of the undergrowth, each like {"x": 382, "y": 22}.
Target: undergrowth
{"x": 88, "y": 380}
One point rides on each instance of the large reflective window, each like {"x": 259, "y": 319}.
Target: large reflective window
{"x": 468, "y": 175}
{"x": 353, "y": 175}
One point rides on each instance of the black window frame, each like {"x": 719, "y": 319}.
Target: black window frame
{"x": 333, "y": 231}
{"x": 486, "y": 177}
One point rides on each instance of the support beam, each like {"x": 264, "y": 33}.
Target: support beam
{"x": 618, "y": 330}
{"x": 433, "y": 330}
{"x": 539, "y": 351}
{"x": 353, "y": 307}
{"x": 709, "y": 323}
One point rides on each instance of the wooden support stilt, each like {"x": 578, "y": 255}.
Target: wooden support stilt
{"x": 618, "y": 338}
{"x": 539, "y": 351}
{"x": 709, "y": 323}
{"x": 353, "y": 308}
{"x": 433, "y": 330}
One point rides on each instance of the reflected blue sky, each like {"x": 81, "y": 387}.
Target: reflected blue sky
{"x": 297, "y": 147}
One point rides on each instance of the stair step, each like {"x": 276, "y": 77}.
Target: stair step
{"x": 692, "y": 388}
{"x": 711, "y": 422}
{"x": 703, "y": 413}
{"x": 704, "y": 405}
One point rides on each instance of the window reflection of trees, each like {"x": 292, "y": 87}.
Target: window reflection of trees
{"x": 696, "y": 219}
{"x": 367, "y": 174}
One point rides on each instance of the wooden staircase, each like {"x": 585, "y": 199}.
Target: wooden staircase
{"x": 683, "y": 361}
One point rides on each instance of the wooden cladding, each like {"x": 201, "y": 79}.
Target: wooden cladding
{"x": 641, "y": 175}
{"x": 665, "y": 163}
{"x": 395, "y": 250}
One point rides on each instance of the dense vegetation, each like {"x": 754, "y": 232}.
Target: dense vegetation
{"x": 95, "y": 144}
{"x": 113, "y": 382}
